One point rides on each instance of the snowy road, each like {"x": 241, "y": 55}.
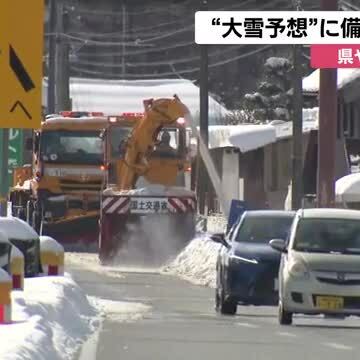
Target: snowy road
{"x": 181, "y": 324}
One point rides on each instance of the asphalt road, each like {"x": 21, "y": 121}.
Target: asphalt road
{"x": 182, "y": 324}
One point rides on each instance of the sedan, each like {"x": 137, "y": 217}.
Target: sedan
{"x": 320, "y": 267}
{"x": 247, "y": 267}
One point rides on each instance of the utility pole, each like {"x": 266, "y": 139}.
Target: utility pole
{"x": 297, "y": 143}
{"x": 51, "y": 58}
{"x": 123, "y": 63}
{"x": 62, "y": 75}
{"x": 4, "y": 187}
{"x": 202, "y": 178}
{"x": 327, "y": 129}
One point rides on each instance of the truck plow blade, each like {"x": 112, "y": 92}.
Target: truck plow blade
{"x": 77, "y": 234}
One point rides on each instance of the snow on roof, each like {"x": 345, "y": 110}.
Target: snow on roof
{"x": 16, "y": 228}
{"x": 115, "y": 96}
{"x": 347, "y": 188}
{"x": 310, "y": 122}
{"x": 344, "y": 77}
{"x": 244, "y": 137}
{"x": 248, "y": 137}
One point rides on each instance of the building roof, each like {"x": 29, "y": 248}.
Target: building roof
{"x": 116, "y": 96}
{"x": 348, "y": 81}
{"x": 249, "y": 137}
{"x": 245, "y": 137}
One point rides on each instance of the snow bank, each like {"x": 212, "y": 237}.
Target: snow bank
{"x": 197, "y": 262}
{"x": 152, "y": 190}
{"x": 121, "y": 311}
{"x": 52, "y": 319}
{"x": 47, "y": 243}
{"x": 90, "y": 261}
{"x": 216, "y": 223}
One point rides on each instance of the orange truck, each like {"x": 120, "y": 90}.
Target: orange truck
{"x": 59, "y": 194}
{"x": 147, "y": 206}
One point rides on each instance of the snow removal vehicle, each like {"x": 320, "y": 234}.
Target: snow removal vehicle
{"x": 147, "y": 207}
{"x": 59, "y": 194}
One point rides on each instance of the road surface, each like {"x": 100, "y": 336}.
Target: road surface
{"x": 182, "y": 324}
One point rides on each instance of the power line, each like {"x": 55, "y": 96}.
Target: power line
{"x": 154, "y": 10}
{"x": 157, "y": 63}
{"x": 139, "y": 52}
{"x": 185, "y": 71}
{"x": 348, "y": 6}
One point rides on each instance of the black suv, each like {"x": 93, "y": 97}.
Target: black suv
{"x": 247, "y": 267}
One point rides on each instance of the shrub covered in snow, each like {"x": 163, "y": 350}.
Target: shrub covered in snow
{"x": 273, "y": 98}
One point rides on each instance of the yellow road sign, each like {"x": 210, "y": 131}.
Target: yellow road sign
{"x": 21, "y": 54}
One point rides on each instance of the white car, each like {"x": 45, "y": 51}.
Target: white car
{"x": 320, "y": 267}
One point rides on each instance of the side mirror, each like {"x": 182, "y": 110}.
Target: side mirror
{"x": 220, "y": 239}
{"x": 278, "y": 245}
{"x": 29, "y": 144}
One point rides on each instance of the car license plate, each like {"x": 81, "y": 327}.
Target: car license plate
{"x": 276, "y": 284}
{"x": 329, "y": 302}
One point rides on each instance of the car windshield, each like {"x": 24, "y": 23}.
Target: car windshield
{"x": 168, "y": 143}
{"x": 261, "y": 229}
{"x": 328, "y": 235}
{"x": 118, "y": 138}
{"x": 76, "y": 147}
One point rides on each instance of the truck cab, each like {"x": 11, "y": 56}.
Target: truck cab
{"x": 63, "y": 185}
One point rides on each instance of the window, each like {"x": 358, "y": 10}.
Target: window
{"x": 328, "y": 235}
{"x": 262, "y": 229}
{"x": 168, "y": 143}
{"x": 75, "y": 147}
{"x": 118, "y": 138}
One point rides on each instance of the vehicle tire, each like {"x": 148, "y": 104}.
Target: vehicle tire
{"x": 226, "y": 307}
{"x": 285, "y": 317}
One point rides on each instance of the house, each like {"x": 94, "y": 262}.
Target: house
{"x": 254, "y": 161}
{"x": 348, "y": 127}
{"x": 264, "y": 172}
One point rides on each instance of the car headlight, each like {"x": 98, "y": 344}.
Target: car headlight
{"x": 298, "y": 269}
{"x": 240, "y": 259}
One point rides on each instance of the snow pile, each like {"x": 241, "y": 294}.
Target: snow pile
{"x": 216, "y": 223}
{"x": 52, "y": 319}
{"x": 90, "y": 261}
{"x": 197, "y": 262}
{"x": 121, "y": 311}
{"x": 47, "y": 243}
